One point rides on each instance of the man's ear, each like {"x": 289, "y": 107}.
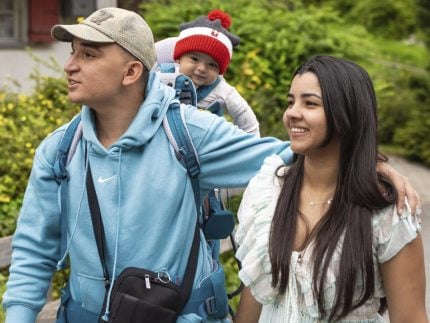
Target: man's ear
{"x": 133, "y": 72}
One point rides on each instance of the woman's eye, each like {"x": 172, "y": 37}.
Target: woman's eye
{"x": 311, "y": 103}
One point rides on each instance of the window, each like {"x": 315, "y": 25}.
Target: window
{"x": 13, "y": 22}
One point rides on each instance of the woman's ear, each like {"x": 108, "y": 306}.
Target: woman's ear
{"x": 133, "y": 72}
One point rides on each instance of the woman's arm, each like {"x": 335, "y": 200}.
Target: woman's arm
{"x": 249, "y": 309}
{"x": 404, "y": 284}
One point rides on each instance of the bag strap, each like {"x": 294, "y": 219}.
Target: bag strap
{"x": 96, "y": 218}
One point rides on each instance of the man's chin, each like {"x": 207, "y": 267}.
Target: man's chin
{"x": 74, "y": 99}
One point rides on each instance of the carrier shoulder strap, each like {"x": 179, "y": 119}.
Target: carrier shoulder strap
{"x": 183, "y": 85}
{"x": 65, "y": 146}
{"x": 177, "y": 132}
{"x": 180, "y": 139}
{"x": 66, "y": 150}
{"x": 185, "y": 89}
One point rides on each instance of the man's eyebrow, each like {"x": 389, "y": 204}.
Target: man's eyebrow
{"x": 93, "y": 45}
{"x": 89, "y": 44}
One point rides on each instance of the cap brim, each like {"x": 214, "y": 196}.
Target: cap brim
{"x": 66, "y": 33}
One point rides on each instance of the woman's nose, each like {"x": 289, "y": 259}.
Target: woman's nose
{"x": 293, "y": 111}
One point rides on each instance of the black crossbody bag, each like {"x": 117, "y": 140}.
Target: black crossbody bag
{"x": 140, "y": 295}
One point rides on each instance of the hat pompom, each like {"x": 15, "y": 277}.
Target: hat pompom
{"x": 222, "y": 16}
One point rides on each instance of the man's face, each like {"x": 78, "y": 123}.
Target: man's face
{"x": 95, "y": 73}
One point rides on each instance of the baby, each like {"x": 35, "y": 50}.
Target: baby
{"x": 203, "y": 51}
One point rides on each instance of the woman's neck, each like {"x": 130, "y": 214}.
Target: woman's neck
{"x": 321, "y": 174}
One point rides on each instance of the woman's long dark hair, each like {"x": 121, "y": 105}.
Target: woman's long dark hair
{"x": 350, "y": 108}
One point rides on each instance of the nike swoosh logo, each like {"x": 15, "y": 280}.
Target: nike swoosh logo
{"x": 102, "y": 180}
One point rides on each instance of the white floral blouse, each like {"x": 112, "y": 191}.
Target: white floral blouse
{"x": 390, "y": 234}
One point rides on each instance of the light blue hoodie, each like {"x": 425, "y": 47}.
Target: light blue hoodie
{"x": 146, "y": 201}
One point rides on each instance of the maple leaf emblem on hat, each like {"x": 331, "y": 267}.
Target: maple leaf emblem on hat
{"x": 101, "y": 16}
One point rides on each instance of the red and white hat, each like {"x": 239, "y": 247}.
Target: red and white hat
{"x": 209, "y": 35}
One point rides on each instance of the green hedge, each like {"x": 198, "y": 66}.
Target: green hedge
{"x": 25, "y": 120}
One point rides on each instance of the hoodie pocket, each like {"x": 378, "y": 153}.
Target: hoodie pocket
{"x": 92, "y": 290}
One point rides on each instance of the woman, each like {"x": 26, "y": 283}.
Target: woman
{"x": 321, "y": 241}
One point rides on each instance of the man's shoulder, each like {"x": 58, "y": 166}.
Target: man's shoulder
{"x": 198, "y": 118}
{"x": 49, "y": 145}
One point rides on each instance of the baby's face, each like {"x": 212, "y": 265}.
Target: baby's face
{"x": 201, "y": 68}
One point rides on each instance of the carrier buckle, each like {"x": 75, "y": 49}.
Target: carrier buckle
{"x": 211, "y": 305}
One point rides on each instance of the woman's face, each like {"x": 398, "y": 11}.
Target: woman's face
{"x": 305, "y": 118}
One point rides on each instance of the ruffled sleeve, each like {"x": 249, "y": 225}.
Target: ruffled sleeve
{"x": 255, "y": 217}
{"x": 392, "y": 232}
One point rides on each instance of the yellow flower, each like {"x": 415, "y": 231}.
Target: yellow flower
{"x": 4, "y": 198}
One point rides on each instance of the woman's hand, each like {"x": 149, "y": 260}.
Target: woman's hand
{"x": 403, "y": 187}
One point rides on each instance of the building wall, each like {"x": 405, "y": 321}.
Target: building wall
{"x": 17, "y": 63}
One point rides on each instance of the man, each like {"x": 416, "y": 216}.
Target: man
{"x": 145, "y": 195}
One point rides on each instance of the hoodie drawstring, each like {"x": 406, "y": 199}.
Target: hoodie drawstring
{"x": 105, "y": 317}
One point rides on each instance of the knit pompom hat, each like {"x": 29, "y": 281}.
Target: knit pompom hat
{"x": 208, "y": 34}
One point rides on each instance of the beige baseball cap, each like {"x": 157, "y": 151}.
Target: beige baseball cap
{"x": 113, "y": 25}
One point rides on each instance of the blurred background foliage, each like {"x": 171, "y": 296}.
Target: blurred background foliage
{"x": 389, "y": 38}
{"x": 386, "y": 37}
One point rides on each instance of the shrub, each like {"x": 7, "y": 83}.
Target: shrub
{"x": 3, "y": 279}
{"x": 415, "y": 133}
{"x": 25, "y": 120}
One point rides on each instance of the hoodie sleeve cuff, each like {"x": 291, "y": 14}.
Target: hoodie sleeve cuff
{"x": 20, "y": 313}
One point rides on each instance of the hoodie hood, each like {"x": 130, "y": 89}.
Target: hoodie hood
{"x": 145, "y": 124}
